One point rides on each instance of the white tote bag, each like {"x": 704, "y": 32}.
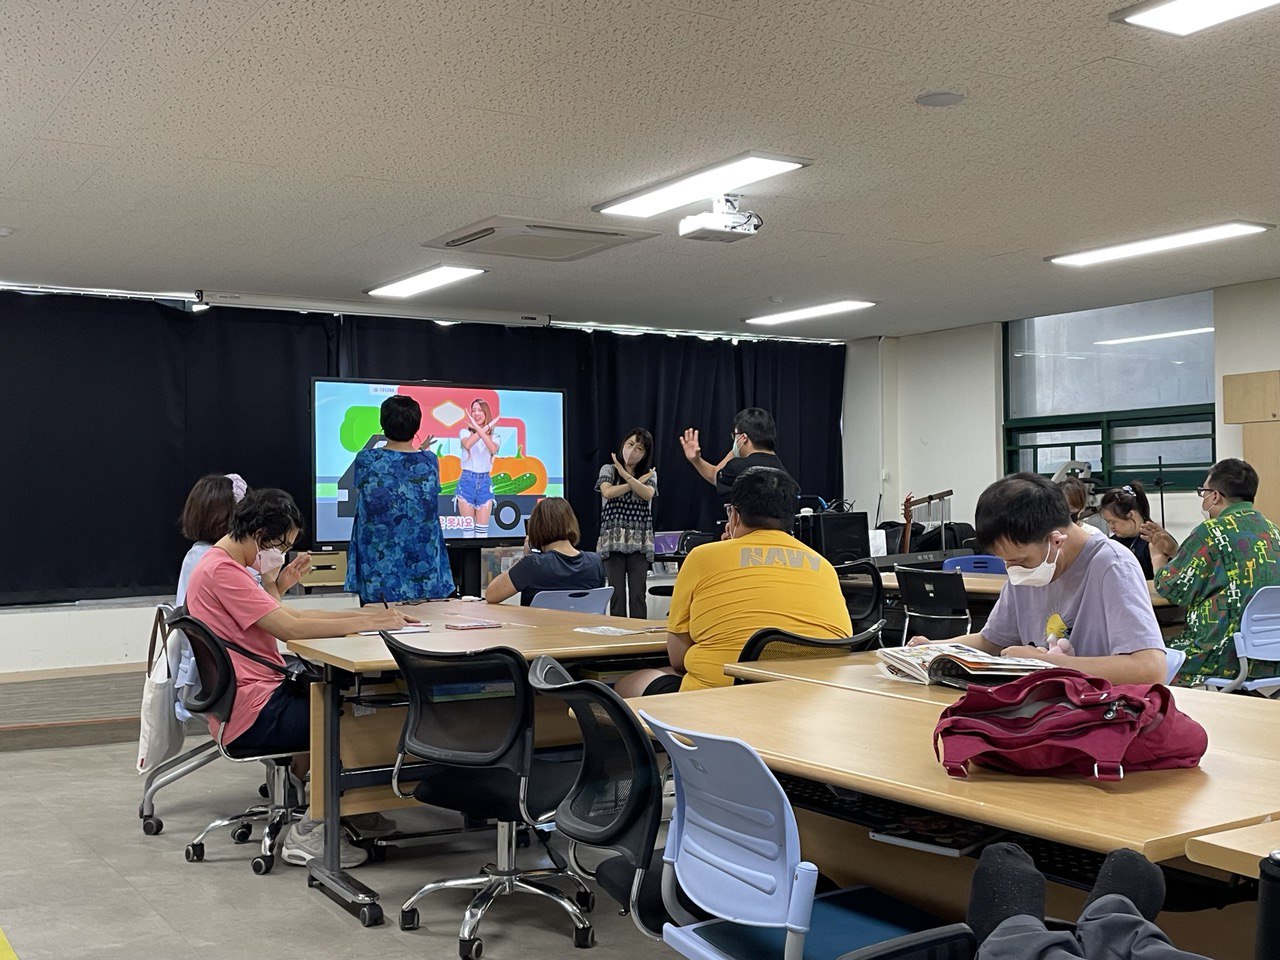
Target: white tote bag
{"x": 162, "y": 732}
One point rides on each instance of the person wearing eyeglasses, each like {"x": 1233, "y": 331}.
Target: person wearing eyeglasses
{"x": 1215, "y": 573}
{"x": 754, "y": 437}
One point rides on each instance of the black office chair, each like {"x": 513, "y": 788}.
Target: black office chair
{"x": 471, "y": 718}
{"x": 935, "y": 601}
{"x": 616, "y": 801}
{"x": 774, "y": 644}
{"x": 695, "y": 538}
{"x": 873, "y": 609}
{"x": 216, "y": 698}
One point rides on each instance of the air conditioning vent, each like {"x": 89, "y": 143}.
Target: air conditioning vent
{"x": 530, "y": 240}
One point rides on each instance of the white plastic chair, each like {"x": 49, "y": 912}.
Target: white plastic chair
{"x": 578, "y": 601}
{"x": 1258, "y": 639}
{"x": 1174, "y": 659}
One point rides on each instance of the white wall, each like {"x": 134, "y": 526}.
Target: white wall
{"x": 75, "y": 637}
{"x": 1246, "y": 339}
{"x": 862, "y": 423}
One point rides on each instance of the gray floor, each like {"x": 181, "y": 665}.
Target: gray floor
{"x": 78, "y": 879}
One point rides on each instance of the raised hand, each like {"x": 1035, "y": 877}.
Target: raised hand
{"x": 618, "y": 465}
{"x": 426, "y": 443}
{"x": 1158, "y": 537}
{"x": 293, "y": 572}
{"x": 689, "y": 442}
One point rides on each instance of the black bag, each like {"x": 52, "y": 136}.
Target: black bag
{"x": 957, "y": 536}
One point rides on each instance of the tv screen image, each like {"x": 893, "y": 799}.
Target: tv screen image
{"x": 528, "y": 465}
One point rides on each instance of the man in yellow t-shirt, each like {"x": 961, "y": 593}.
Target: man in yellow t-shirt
{"x": 760, "y": 576}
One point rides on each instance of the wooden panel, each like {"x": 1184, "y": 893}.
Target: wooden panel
{"x": 1251, "y": 397}
{"x": 328, "y": 569}
{"x": 1236, "y": 851}
{"x": 1262, "y": 451}
{"x": 885, "y": 748}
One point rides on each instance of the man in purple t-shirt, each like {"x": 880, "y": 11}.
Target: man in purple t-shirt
{"x": 1073, "y": 600}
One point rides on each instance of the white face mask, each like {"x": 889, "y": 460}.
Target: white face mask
{"x": 268, "y": 560}
{"x": 1040, "y": 576}
{"x": 737, "y": 445}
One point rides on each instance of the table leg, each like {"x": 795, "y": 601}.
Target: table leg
{"x": 1267, "y": 944}
{"x": 357, "y": 899}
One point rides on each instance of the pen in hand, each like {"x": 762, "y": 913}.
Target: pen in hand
{"x": 384, "y": 600}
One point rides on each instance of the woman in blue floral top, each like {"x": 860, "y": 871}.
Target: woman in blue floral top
{"x": 397, "y": 550}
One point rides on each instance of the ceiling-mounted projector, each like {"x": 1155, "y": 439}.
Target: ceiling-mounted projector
{"x": 724, "y": 222}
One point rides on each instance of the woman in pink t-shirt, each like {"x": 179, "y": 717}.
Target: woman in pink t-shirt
{"x": 269, "y": 716}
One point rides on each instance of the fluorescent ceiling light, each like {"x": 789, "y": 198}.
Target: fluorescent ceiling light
{"x": 1153, "y": 336}
{"x": 808, "y": 313}
{"x": 1173, "y": 241}
{"x": 199, "y": 307}
{"x": 424, "y": 281}
{"x": 1183, "y": 17}
{"x": 701, "y": 185}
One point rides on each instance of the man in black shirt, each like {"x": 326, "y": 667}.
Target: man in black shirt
{"x": 754, "y": 434}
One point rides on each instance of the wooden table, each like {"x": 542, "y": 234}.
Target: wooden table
{"x": 881, "y": 745}
{"x": 990, "y": 585}
{"x": 363, "y": 751}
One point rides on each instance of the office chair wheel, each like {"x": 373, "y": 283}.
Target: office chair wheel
{"x": 151, "y": 826}
{"x": 194, "y": 852}
{"x": 242, "y": 833}
{"x": 263, "y": 792}
{"x": 370, "y": 915}
{"x": 409, "y": 919}
{"x": 584, "y": 937}
{"x": 522, "y": 838}
{"x": 471, "y": 949}
{"x": 377, "y": 853}
{"x": 586, "y": 900}
{"x": 263, "y": 864}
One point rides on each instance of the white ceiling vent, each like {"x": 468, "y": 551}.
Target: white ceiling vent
{"x": 535, "y": 240}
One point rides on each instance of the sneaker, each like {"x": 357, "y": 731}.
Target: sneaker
{"x": 370, "y": 826}
{"x": 305, "y": 842}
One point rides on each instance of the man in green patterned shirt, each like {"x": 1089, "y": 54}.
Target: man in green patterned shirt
{"x": 1216, "y": 571}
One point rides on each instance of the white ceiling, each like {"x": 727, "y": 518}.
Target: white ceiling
{"x": 307, "y": 147}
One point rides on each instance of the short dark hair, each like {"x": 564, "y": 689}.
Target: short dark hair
{"x": 765, "y": 498}
{"x": 268, "y": 513}
{"x": 552, "y": 519}
{"x": 758, "y": 425}
{"x": 1020, "y": 508}
{"x": 1124, "y": 500}
{"x": 206, "y": 516}
{"x": 645, "y": 439}
{"x": 400, "y": 417}
{"x": 1234, "y": 479}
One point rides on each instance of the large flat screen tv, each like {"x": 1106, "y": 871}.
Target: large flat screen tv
{"x": 528, "y": 464}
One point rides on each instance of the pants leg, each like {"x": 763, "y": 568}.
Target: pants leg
{"x": 1111, "y": 928}
{"x": 615, "y": 570}
{"x": 638, "y": 584}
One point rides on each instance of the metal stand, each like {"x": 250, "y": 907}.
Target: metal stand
{"x": 1267, "y": 943}
{"x": 936, "y": 505}
{"x": 166, "y": 773}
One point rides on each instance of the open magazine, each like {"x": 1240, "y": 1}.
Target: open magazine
{"x": 953, "y": 664}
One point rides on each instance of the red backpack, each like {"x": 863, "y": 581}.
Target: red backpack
{"x": 1064, "y": 723}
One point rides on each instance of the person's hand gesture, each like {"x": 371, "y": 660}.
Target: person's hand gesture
{"x": 426, "y": 443}
{"x": 1159, "y": 538}
{"x": 617, "y": 465}
{"x": 488, "y": 427}
{"x": 391, "y": 619}
{"x": 689, "y": 442}
{"x": 293, "y": 572}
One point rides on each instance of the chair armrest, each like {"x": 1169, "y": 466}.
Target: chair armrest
{"x": 953, "y": 942}
{"x": 800, "y": 907}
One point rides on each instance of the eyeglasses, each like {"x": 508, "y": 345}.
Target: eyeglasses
{"x": 1205, "y": 491}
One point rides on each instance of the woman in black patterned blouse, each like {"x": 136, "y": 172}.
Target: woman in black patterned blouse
{"x": 627, "y": 487}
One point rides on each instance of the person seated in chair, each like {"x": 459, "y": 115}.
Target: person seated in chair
{"x": 1072, "y": 600}
{"x": 726, "y": 591}
{"x": 1216, "y": 572}
{"x": 270, "y": 715}
{"x": 553, "y": 531}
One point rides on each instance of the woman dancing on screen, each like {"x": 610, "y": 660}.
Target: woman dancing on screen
{"x": 475, "y": 488}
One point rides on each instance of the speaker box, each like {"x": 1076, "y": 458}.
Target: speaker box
{"x": 840, "y": 537}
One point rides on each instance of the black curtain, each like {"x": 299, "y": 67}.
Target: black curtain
{"x": 614, "y": 383}
{"x": 115, "y": 408}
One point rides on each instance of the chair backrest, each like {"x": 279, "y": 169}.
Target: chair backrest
{"x": 932, "y": 593}
{"x": 733, "y": 838}
{"x": 472, "y": 709}
{"x": 1260, "y": 626}
{"x": 772, "y": 643}
{"x": 695, "y": 538}
{"x": 975, "y": 563}
{"x": 616, "y": 802}
{"x": 579, "y": 601}
{"x": 216, "y": 694}
{"x": 874, "y": 607}
{"x": 1173, "y": 660}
